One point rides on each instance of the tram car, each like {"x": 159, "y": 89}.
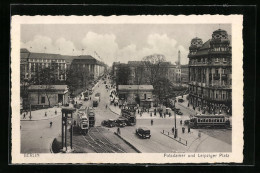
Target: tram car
{"x": 91, "y": 116}
{"x": 82, "y": 122}
{"x": 209, "y": 121}
{"x": 129, "y": 116}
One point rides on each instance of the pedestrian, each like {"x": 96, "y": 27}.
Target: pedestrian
{"x": 55, "y": 112}
{"x": 173, "y": 130}
{"x": 90, "y": 98}
{"x": 181, "y": 122}
{"x": 151, "y": 122}
{"x": 45, "y": 114}
{"x": 106, "y": 106}
{"x": 118, "y": 131}
{"x": 188, "y": 129}
{"x": 138, "y": 111}
{"x": 23, "y": 115}
{"x": 183, "y": 129}
{"x": 51, "y": 124}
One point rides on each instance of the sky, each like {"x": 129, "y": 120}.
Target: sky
{"x": 116, "y": 42}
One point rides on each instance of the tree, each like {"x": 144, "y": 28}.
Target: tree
{"x": 72, "y": 80}
{"x": 153, "y": 64}
{"x": 123, "y": 75}
{"x": 46, "y": 78}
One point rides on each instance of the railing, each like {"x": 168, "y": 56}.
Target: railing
{"x": 178, "y": 139}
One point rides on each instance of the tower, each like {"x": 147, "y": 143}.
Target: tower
{"x": 179, "y": 57}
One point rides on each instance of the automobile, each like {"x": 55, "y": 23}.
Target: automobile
{"x": 143, "y": 132}
{"x": 109, "y": 123}
{"x": 178, "y": 112}
{"x": 180, "y": 100}
{"x": 120, "y": 122}
{"x": 186, "y": 122}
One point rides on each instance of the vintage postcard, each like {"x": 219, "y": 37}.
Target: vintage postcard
{"x": 127, "y": 89}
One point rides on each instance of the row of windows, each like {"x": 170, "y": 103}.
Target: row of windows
{"x": 209, "y": 120}
{"x": 217, "y": 49}
{"x": 46, "y": 60}
{"x": 205, "y": 60}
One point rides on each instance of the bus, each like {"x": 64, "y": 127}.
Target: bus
{"x": 129, "y": 115}
{"x": 209, "y": 121}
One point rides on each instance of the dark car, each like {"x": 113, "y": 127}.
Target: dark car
{"x": 186, "y": 122}
{"x": 180, "y": 100}
{"x": 178, "y": 112}
{"x": 120, "y": 122}
{"x": 109, "y": 123}
{"x": 143, "y": 132}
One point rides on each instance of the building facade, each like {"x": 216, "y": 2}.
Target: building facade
{"x": 31, "y": 63}
{"x": 47, "y": 95}
{"x": 210, "y": 73}
{"x": 133, "y": 94}
{"x": 89, "y": 64}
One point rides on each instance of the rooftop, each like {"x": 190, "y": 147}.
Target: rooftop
{"x": 52, "y": 87}
{"x": 135, "y": 87}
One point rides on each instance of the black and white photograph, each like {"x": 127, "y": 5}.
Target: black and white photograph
{"x": 128, "y": 89}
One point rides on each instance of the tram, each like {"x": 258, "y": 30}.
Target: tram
{"x": 91, "y": 116}
{"x": 209, "y": 121}
{"x": 82, "y": 122}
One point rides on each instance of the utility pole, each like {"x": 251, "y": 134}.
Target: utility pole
{"x": 175, "y": 134}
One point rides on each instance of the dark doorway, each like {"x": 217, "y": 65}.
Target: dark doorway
{"x": 60, "y": 98}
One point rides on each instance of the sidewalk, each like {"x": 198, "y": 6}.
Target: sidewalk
{"x": 145, "y": 115}
{"x": 40, "y": 114}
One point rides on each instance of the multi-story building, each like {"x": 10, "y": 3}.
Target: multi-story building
{"x": 89, "y": 64}
{"x": 137, "y": 94}
{"x": 210, "y": 73}
{"x": 31, "y": 63}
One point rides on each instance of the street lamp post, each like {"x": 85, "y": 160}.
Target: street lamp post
{"x": 175, "y": 131}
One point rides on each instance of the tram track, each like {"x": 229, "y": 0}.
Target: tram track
{"x": 96, "y": 141}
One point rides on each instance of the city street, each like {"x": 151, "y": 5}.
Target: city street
{"x": 159, "y": 142}
{"x": 36, "y": 136}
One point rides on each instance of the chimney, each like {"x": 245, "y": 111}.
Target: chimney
{"x": 179, "y": 57}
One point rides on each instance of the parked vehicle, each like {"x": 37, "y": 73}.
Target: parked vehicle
{"x": 143, "y": 132}
{"x": 180, "y": 100}
{"x": 109, "y": 123}
{"x": 95, "y": 101}
{"x": 121, "y": 122}
{"x": 178, "y": 112}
